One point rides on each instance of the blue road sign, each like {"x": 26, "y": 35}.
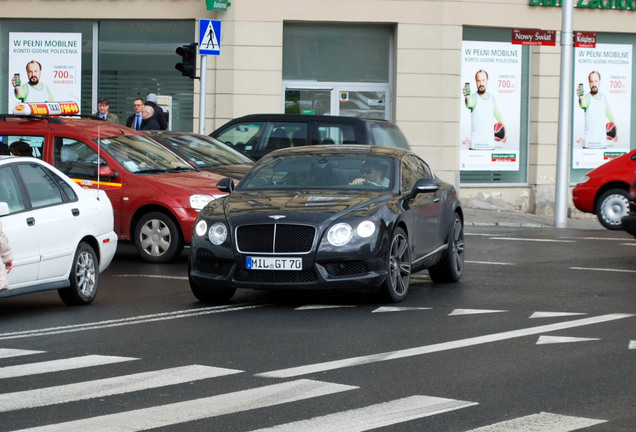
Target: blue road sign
{"x": 209, "y": 37}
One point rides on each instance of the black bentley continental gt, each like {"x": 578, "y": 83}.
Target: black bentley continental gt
{"x": 328, "y": 217}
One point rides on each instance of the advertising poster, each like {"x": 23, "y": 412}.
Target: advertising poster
{"x": 490, "y": 110}
{"x": 602, "y": 104}
{"x": 45, "y": 73}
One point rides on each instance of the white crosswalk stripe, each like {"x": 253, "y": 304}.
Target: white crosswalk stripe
{"x": 59, "y": 365}
{"x": 108, "y": 387}
{"x": 181, "y": 412}
{"x": 375, "y": 416}
{"x": 7, "y": 353}
{"x": 542, "y": 422}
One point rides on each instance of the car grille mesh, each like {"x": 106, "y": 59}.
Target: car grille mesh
{"x": 272, "y": 276}
{"x": 275, "y": 238}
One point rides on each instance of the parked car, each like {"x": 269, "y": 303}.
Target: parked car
{"x": 315, "y": 217}
{"x": 156, "y": 194}
{"x": 206, "y": 153}
{"x": 629, "y": 221}
{"x": 258, "y": 134}
{"x": 61, "y": 235}
{"x": 603, "y": 191}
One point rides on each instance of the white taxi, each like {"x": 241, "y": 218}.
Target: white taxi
{"x": 61, "y": 235}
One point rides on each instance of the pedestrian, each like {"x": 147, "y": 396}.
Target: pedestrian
{"x": 134, "y": 121}
{"x": 7, "y": 260}
{"x": 103, "y": 111}
{"x": 151, "y": 100}
{"x": 149, "y": 121}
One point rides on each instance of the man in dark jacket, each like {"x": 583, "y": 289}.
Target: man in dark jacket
{"x": 151, "y": 101}
{"x": 149, "y": 121}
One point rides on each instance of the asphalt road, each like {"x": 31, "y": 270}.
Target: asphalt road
{"x": 540, "y": 335}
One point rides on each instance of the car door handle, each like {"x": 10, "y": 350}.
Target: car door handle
{"x": 75, "y": 212}
{"x": 30, "y": 221}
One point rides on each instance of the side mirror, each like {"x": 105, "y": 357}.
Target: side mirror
{"x": 4, "y": 208}
{"x": 106, "y": 171}
{"x": 425, "y": 185}
{"x": 225, "y": 185}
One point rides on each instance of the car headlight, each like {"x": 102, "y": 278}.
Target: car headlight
{"x": 199, "y": 201}
{"x": 583, "y": 179}
{"x": 365, "y": 229}
{"x": 217, "y": 233}
{"x": 200, "y": 228}
{"x": 340, "y": 234}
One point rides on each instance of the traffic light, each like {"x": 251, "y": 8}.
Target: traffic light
{"x": 188, "y": 65}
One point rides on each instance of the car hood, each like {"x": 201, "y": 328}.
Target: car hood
{"x": 235, "y": 171}
{"x": 300, "y": 205}
{"x": 194, "y": 181}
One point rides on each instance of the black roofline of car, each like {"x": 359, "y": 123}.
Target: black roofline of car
{"x": 304, "y": 117}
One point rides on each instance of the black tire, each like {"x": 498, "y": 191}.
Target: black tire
{"x": 451, "y": 267}
{"x": 216, "y": 295}
{"x": 84, "y": 278}
{"x": 396, "y": 285}
{"x": 611, "y": 207}
{"x": 157, "y": 238}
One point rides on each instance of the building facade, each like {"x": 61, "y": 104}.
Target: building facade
{"x": 409, "y": 61}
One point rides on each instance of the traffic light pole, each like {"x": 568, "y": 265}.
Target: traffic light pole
{"x": 202, "y": 92}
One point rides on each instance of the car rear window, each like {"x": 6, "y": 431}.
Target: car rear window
{"x": 337, "y": 134}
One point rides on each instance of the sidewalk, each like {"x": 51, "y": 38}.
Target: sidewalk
{"x": 480, "y": 217}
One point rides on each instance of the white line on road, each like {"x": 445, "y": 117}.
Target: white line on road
{"x": 152, "y": 276}
{"x": 374, "y": 416}
{"x": 542, "y": 422}
{"x": 109, "y": 386}
{"x": 181, "y": 412}
{"x": 60, "y": 365}
{"x": 603, "y": 270}
{"x": 7, "y": 352}
{"x": 490, "y": 263}
{"x": 444, "y": 346}
{"x": 533, "y": 240}
{"x": 127, "y": 321}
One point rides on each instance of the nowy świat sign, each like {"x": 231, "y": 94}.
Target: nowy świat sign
{"x": 591, "y": 4}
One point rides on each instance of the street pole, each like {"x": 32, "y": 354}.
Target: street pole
{"x": 565, "y": 118}
{"x": 202, "y": 92}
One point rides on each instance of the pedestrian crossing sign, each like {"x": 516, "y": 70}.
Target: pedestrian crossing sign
{"x": 209, "y": 37}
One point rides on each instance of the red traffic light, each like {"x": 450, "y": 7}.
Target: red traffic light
{"x": 188, "y": 64}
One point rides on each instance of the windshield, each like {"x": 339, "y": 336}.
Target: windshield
{"x": 140, "y": 154}
{"x": 205, "y": 151}
{"x": 334, "y": 172}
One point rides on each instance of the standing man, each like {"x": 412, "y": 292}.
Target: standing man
{"x": 151, "y": 101}
{"x": 149, "y": 121}
{"x": 33, "y": 90}
{"x": 134, "y": 121}
{"x": 485, "y": 116}
{"x": 103, "y": 111}
{"x": 599, "y": 120}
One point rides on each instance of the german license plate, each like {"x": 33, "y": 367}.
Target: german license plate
{"x": 273, "y": 263}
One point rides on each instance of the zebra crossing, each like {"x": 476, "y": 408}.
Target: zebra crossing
{"x": 176, "y": 414}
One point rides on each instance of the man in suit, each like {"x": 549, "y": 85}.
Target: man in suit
{"x": 103, "y": 111}
{"x": 134, "y": 121}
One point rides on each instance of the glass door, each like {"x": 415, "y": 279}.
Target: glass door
{"x": 345, "y": 99}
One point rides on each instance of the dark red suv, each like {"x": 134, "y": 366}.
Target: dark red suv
{"x": 156, "y": 195}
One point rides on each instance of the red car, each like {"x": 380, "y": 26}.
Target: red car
{"x": 156, "y": 195}
{"x": 604, "y": 191}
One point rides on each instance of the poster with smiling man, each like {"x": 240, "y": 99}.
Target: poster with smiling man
{"x": 45, "y": 73}
{"x": 490, "y": 109}
{"x": 601, "y": 121}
